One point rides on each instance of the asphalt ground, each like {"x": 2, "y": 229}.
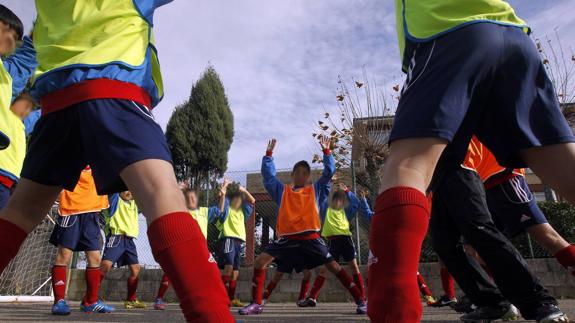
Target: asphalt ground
{"x": 324, "y": 312}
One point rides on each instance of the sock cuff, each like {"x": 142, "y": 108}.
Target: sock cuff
{"x": 59, "y": 266}
{"x": 565, "y": 255}
{"x": 172, "y": 229}
{"x": 92, "y": 268}
{"x": 134, "y": 279}
{"x": 401, "y": 195}
{"x": 305, "y": 281}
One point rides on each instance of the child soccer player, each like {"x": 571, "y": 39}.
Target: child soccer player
{"x": 120, "y": 247}
{"x": 78, "y": 229}
{"x": 239, "y": 206}
{"x": 12, "y": 158}
{"x": 298, "y": 225}
{"x": 97, "y": 80}
{"x": 204, "y": 216}
{"x": 16, "y": 68}
{"x": 496, "y": 87}
{"x": 336, "y": 219}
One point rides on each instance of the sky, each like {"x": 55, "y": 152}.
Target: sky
{"x": 280, "y": 60}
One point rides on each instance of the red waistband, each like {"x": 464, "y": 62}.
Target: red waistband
{"x": 92, "y": 90}
{"x": 498, "y": 179}
{"x": 6, "y": 181}
{"x": 303, "y": 236}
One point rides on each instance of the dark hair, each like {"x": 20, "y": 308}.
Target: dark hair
{"x": 339, "y": 195}
{"x": 303, "y": 164}
{"x": 235, "y": 194}
{"x": 8, "y": 17}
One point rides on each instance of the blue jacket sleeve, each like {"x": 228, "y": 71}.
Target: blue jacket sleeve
{"x": 213, "y": 213}
{"x": 351, "y": 209}
{"x": 248, "y": 210}
{"x": 21, "y": 66}
{"x": 146, "y": 8}
{"x": 272, "y": 184}
{"x": 322, "y": 186}
{"x": 113, "y": 200}
{"x": 224, "y": 215}
{"x": 365, "y": 209}
{"x": 31, "y": 120}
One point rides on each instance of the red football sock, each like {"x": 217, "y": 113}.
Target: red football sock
{"x": 232, "y": 289}
{"x": 447, "y": 283}
{"x": 59, "y": 282}
{"x": 566, "y": 257}
{"x": 317, "y": 285}
{"x": 179, "y": 246}
{"x": 226, "y": 280}
{"x": 164, "y": 285}
{"x": 397, "y": 232}
{"x": 11, "y": 239}
{"x": 93, "y": 278}
{"x": 348, "y": 283}
{"x": 358, "y": 279}
{"x": 304, "y": 287}
{"x": 102, "y": 275}
{"x": 258, "y": 285}
{"x": 423, "y": 286}
{"x": 132, "y": 287}
{"x": 269, "y": 289}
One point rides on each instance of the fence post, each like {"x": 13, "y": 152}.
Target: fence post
{"x": 353, "y": 188}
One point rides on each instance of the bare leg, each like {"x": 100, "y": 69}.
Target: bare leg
{"x": 177, "y": 241}
{"x": 93, "y": 258}
{"x": 63, "y": 257}
{"x": 547, "y": 237}
{"x": 28, "y": 215}
{"x": 411, "y": 163}
{"x": 106, "y": 266}
{"x": 545, "y": 161}
{"x": 401, "y": 215}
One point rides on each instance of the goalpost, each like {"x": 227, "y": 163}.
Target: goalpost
{"x": 28, "y": 276}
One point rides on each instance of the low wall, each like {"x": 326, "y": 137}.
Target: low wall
{"x": 551, "y": 274}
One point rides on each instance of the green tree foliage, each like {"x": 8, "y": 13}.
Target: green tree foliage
{"x": 200, "y": 132}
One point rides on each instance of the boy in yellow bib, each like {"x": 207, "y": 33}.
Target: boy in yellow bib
{"x": 238, "y": 208}
{"x": 123, "y": 228}
{"x": 17, "y": 66}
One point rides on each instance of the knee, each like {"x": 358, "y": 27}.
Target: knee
{"x": 63, "y": 257}
{"x": 333, "y": 267}
{"x": 136, "y": 270}
{"x": 260, "y": 263}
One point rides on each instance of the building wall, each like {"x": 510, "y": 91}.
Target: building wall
{"x": 559, "y": 282}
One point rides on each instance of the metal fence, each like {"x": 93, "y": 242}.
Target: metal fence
{"x": 261, "y": 226}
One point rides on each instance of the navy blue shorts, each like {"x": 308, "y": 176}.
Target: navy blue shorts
{"x": 230, "y": 252}
{"x": 121, "y": 250}
{"x": 107, "y": 134}
{"x": 483, "y": 79}
{"x": 5, "y": 193}
{"x": 80, "y": 232}
{"x": 299, "y": 254}
{"x": 342, "y": 247}
{"x": 513, "y": 207}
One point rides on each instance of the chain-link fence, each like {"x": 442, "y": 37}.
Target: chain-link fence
{"x": 261, "y": 225}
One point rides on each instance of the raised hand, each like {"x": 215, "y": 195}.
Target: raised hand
{"x": 342, "y": 186}
{"x": 271, "y": 145}
{"x": 325, "y": 142}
